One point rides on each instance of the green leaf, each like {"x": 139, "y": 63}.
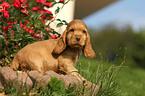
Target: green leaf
{"x": 30, "y": 24}
{"x": 59, "y": 24}
{"x": 70, "y": 90}
{"x": 5, "y": 24}
{"x": 65, "y": 22}
{"x": 54, "y": 4}
{"x": 18, "y": 27}
{"x": 39, "y": 15}
{"x": 58, "y": 19}
{"x": 57, "y": 85}
{"x": 57, "y": 10}
{"x": 53, "y": 80}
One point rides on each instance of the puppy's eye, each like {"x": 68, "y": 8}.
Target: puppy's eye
{"x": 72, "y": 30}
{"x": 84, "y": 31}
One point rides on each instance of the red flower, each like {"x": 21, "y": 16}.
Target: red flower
{"x": 7, "y": 27}
{"x": 13, "y": 31}
{"x": 17, "y": 0}
{"x": 48, "y": 4}
{"x": 4, "y": 28}
{"x": 36, "y": 8}
{"x": 16, "y": 43}
{"x": 25, "y": 26}
{"x": 26, "y": 21}
{"x": 42, "y": 21}
{"x": 37, "y": 1}
{"x": 43, "y": 16}
{"x": 50, "y": 17}
{"x": 6, "y": 5}
{"x": 11, "y": 22}
{"x": 49, "y": 12}
{"x": 25, "y": 11}
{"x": 29, "y": 30}
{"x": 5, "y": 13}
{"x": 6, "y": 37}
{"x": 26, "y": 6}
{"x": 42, "y": 11}
{"x": 48, "y": 29}
{"x": 20, "y": 22}
{"x": 45, "y": 11}
{"x": 17, "y": 4}
{"x": 61, "y": 1}
{"x": 21, "y": 25}
{"x": 38, "y": 35}
{"x": 40, "y": 1}
{"x": 21, "y": 1}
{"x": 4, "y": 31}
{"x": 53, "y": 36}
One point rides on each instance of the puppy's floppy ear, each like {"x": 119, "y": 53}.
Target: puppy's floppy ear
{"x": 61, "y": 44}
{"x": 88, "y": 51}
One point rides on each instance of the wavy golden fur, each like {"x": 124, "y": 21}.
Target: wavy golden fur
{"x": 59, "y": 54}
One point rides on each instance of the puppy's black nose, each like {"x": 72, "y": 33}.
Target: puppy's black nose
{"x": 78, "y": 38}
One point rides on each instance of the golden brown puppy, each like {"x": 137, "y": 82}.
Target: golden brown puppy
{"x": 58, "y": 55}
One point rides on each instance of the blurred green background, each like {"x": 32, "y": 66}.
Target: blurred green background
{"x": 116, "y": 45}
{"x": 122, "y": 46}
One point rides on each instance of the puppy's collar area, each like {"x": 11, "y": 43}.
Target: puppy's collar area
{"x": 76, "y": 46}
{"x": 73, "y": 47}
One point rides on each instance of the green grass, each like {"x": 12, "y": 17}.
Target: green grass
{"x": 101, "y": 74}
{"x": 127, "y": 81}
{"x": 132, "y": 81}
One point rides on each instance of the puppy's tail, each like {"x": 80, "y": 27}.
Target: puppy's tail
{"x": 15, "y": 64}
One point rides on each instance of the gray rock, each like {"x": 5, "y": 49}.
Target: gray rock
{"x": 20, "y": 80}
{"x": 1, "y": 86}
{"x": 52, "y": 74}
{"x": 70, "y": 80}
{"x": 8, "y": 77}
{"x": 42, "y": 82}
{"x": 34, "y": 75}
{"x": 23, "y": 80}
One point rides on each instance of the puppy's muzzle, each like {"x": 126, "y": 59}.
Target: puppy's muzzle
{"x": 78, "y": 38}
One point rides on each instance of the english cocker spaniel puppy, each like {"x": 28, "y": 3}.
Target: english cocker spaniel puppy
{"x": 59, "y": 54}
